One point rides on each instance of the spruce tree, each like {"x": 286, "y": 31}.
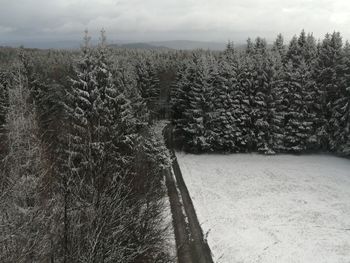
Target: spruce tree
{"x": 198, "y": 114}
{"x": 278, "y": 108}
{"x": 328, "y": 74}
{"x": 340, "y": 109}
{"x": 224, "y": 125}
{"x": 241, "y": 107}
{"x": 148, "y": 84}
{"x": 293, "y": 53}
{"x": 310, "y": 49}
{"x": 298, "y": 98}
{"x": 80, "y": 106}
{"x": 4, "y": 100}
{"x": 262, "y": 97}
{"x": 101, "y": 154}
{"x": 279, "y": 47}
{"x": 180, "y": 100}
{"x": 249, "y": 47}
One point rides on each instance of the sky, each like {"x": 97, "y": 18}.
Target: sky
{"x": 159, "y": 20}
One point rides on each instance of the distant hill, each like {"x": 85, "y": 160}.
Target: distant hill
{"x": 189, "y": 45}
{"x": 180, "y": 45}
{"x": 139, "y": 45}
{"x": 172, "y": 44}
{"x": 175, "y": 44}
{"x": 69, "y": 44}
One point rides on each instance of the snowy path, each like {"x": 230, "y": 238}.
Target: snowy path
{"x": 272, "y": 208}
{"x": 190, "y": 244}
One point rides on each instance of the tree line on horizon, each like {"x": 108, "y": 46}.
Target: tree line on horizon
{"x": 287, "y": 98}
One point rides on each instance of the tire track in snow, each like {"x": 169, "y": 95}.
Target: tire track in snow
{"x": 199, "y": 248}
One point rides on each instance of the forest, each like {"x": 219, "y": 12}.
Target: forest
{"x": 269, "y": 99}
{"x": 82, "y": 171}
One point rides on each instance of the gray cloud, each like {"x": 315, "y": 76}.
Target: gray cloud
{"x": 139, "y": 20}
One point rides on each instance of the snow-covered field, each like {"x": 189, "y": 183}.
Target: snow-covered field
{"x": 272, "y": 208}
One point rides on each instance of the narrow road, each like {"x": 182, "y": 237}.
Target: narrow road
{"x": 191, "y": 245}
{"x": 180, "y": 226}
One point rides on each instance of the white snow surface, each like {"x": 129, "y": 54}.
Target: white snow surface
{"x": 282, "y": 208}
{"x": 170, "y": 241}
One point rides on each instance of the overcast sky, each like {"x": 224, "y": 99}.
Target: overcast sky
{"x": 146, "y": 20}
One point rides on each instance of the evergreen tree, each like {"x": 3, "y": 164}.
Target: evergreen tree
{"x": 242, "y": 105}
{"x": 250, "y": 47}
{"x": 278, "y": 108}
{"x": 261, "y": 100}
{"x": 229, "y": 52}
{"x": 3, "y": 101}
{"x": 79, "y": 107}
{"x": 148, "y": 84}
{"x": 199, "y": 113}
{"x": 279, "y": 47}
{"x": 299, "y": 133}
{"x": 328, "y": 74}
{"x": 180, "y": 100}
{"x": 302, "y": 49}
{"x": 223, "y": 125}
{"x": 340, "y": 111}
{"x": 293, "y": 53}
{"x": 310, "y": 49}
{"x": 260, "y": 46}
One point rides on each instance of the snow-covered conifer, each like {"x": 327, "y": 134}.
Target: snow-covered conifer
{"x": 279, "y": 46}
{"x": 328, "y": 75}
{"x": 199, "y": 113}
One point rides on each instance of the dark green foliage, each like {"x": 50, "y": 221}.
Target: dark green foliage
{"x": 4, "y": 100}
{"x": 261, "y": 97}
{"x": 297, "y": 102}
{"x": 92, "y": 168}
{"x": 198, "y": 115}
{"x": 224, "y": 125}
{"x": 293, "y": 99}
{"x": 148, "y": 84}
{"x": 279, "y": 46}
{"x": 340, "y": 109}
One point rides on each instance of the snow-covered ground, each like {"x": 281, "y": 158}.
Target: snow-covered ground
{"x": 170, "y": 242}
{"x": 157, "y": 129}
{"x": 283, "y": 208}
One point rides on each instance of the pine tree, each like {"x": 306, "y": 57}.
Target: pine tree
{"x": 148, "y": 84}
{"x": 241, "y": 107}
{"x": 293, "y": 53}
{"x": 302, "y": 49}
{"x": 278, "y": 108}
{"x": 250, "y": 47}
{"x": 180, "y": 100}
{"x": 302, "y": 41}
{"x": 279, "y": 47}
{"x": 223, "y": 125}
{"x": 127, "y": 88}
{"x": 310, "y": 50}
{"x": 3, "y": 101}
{"x": 340, "y": 111}
{"x": 261, "y": 100}
{"x": 297, "y": 99}
{"x": 79, "y": 107}
{"x": 101, "y": 150}
{"x": 328, "y": 74}
{"x": 199, "y": 114}
{"x": 230, "y": 51}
